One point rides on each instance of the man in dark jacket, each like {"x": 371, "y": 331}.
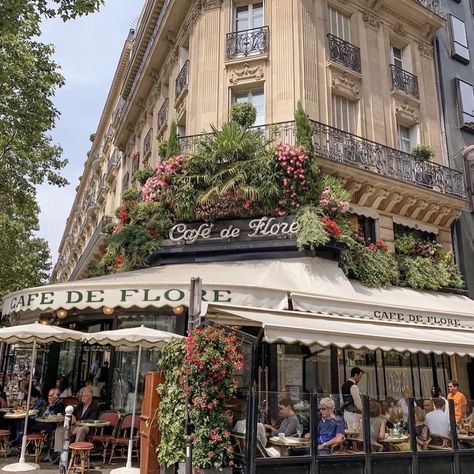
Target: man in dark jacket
{"x": 86, "y": 410}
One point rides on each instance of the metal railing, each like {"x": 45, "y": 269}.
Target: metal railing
{"x": 247, "y": 42}
{"x": 147, "y": 142}
{"x": 162, "y": 116}
{"x": 433, "y": 5}
{"x": 338, "y": 145}
{"x": 135, "y": 164}
{"x": 344, "y": 53}
{"x": 404, "y": 81}
{"x": 182, "y": 79}
{"x": 113, "y": 161}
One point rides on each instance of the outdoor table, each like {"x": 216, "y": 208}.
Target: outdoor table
{"x": 466, "y": 439}
{"x": 50, "y": 419}
{"x": 284, "y": 444}
{"x": 19, "y": 415}
{"x": 351, "y": 433}
{"x": 93, "y": 423}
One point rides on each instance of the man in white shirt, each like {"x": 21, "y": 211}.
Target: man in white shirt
{"x": 352, "y": 403}
{"x": 438, "y": 419}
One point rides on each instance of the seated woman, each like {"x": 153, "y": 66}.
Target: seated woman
{"x": 377, "y": 422}
{"x": 422, "y": 430}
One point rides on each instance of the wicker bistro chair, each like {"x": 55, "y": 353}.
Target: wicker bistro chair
{"x": 37, "y": 440}
{"x": 4, "y": 444}
{"x": 120, "y": 442}
{"x": 104, "y": 437}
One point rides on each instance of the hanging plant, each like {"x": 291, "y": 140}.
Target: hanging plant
{"x": 311, "y": 230}
{"x": 172, "y": 409}
{"x": 210, "y": 364}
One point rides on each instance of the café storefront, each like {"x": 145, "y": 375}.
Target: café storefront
{"x": 303, "y": 325}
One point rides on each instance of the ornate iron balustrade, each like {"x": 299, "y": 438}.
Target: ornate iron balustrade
{"x": 344, "y": 53}
{"x": 182, "y": 79}
{"x": 113, "y": 161}
{"x": 404, "y": 81}
{"x": 147, "y": 142}
{"x": 162, "y": 116}
{"x": 246, "y": 42}
{"x": 338, "y": 145}
{"x": 433, "y": 5}
{"x": 135, "y": 164}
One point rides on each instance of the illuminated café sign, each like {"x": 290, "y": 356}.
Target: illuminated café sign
{"x": 262, "y": 228}
{"x": 418, "y": 318}
{"x": 127, "y": 297}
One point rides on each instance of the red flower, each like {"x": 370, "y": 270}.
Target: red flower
{"x": 118, "y": 261}
{"x": 331, "y": 226}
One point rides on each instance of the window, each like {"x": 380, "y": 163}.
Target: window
{"x": 397, "y": 57}
{"x": 339, "y": 25}
{"x": 466, "y": 104}
{"x": 248, "y": 17}
{"x": 256, "y": 98}
{"x": 459, "y": 46}
{"x": 407, "y": 137}
{"x": 343, "y": 114}
{"x": 399, "y": 229}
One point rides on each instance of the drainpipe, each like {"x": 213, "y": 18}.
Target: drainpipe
{"x": 441, "y": 99}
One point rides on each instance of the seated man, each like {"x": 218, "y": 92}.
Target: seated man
{"x": 90, "y": 383}
{"x": 330, "y": 430}
{"x": 86, "y": 410}
{"x": 290, "y": 421}
{"x": 437, "y": 420}
{"x": 55, "y": 407}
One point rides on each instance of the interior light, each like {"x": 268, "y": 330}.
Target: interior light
{"x": 61, "y": 313}
{"x": 108, "y": 310}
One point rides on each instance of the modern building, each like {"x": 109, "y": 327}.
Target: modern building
{"x": 366, "y": 74}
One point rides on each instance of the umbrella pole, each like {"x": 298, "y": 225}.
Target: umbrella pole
{"x": 28, "y": 399}
{"x": 128, "y": 467}
{"x": 22, "y": 465}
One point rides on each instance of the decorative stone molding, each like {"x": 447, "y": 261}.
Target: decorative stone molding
{"x": 345, "y": 84}
{"x": 425, "y": 49}
{"x": 394, "y": 199}
{"x": 246, "y": 74}
{"x": 399, "y": 29}
{"x": 420, "y": 206}
{"x": 407, "y": 203}
{"x": 366, "y": 193}
{"x": 211, "y": 4}
{"x": 371, "y": 20}
{"x": 407, "y": 112}
{"x": 381, "y": 195}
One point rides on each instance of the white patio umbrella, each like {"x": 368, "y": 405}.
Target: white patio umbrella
{"x": 26, "y": 334}
{"x": 140, "y": 337}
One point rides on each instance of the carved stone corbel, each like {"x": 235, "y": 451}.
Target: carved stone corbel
{"x": 345, "y": 85}
{"x": 421, "y": 206}
{"x": 433, "y": 209}
{"x": 409, "y": 202}
{"x": 371, "y": 20}
{"x": 366, "y": 194}
{"x": 382, "y": 194}
{"x": 395, "y": 198}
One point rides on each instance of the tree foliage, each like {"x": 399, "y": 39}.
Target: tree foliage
{"x": 28, "y": 157}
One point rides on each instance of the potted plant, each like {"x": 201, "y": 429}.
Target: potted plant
{"x": 210, "y": 363}
{"x": 423, "y": 152}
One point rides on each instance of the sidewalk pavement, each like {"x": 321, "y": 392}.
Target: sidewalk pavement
{"x": 47, "y": 468}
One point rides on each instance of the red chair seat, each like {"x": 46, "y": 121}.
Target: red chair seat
{"x": 4, "y": 433}
{"x": 35, "y": 436}
{"x": 81, "y": 446}
{"x": 101, "y": 438}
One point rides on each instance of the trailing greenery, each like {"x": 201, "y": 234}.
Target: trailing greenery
{"x": 142, "y": 175}
{"x": 162, "y": 148}
{"x": 244, "y": 114}
{"x": 172, "y": 145}
{"x": 311, "y": 233}
{"x": 372, "y": 265}
{"x": 172, "y": 409}
{"x": 130, "y": 194}
{"x": 304, "y": 131}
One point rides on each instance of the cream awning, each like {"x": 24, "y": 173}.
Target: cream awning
{"x": 347, "y": 331}
{"x": 264, "y": 283}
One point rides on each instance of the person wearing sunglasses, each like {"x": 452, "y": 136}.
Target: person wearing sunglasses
{"x": 330, "y": 430}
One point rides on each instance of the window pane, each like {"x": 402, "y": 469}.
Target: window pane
{"x": 467, "y": 102}
{"x": 242, "y": 18}
{"x": 397, "y": 57}
{"x": 343, "y": 114}
{"x": 404, "y": 138}
{"x": 459, "y": 31}
{"x": 339, "y": 25}
{"x": 257, "y": 15}
{"x": 256, "y": 98}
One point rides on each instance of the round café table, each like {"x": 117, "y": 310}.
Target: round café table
{"x": 283, "y": 444}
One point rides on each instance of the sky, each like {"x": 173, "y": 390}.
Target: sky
{"x": 87, "y": 49}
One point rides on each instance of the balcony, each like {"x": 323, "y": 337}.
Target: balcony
{"x": 114, "y": 160}
{"x": 247, "y": 42}
{"x": 433, "y": 5}
{"x": 162, "y": 117}
{"x": 147, "y": 143}
{"x": 182, "y": 80}
{"x": 404, "y": 81}
{"x": 343, "y": 147}
{"x": 135, "y": 164}
{"x": 343, "y": 52}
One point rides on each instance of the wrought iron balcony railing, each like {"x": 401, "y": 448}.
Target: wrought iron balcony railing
{"x": 162, "y": 116}
{"x": 182, "y": 79}
{"x": 113, "y": 161}
{"x": 147, "y": 142}
{"x": 433, "y": 5}
{"x": 135, "y": 164}
{"x": 344, "y": 53}
{"x": 404, "y": 81}
{"x": 338, "y": 145}
{"x": 247, "y": 42}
